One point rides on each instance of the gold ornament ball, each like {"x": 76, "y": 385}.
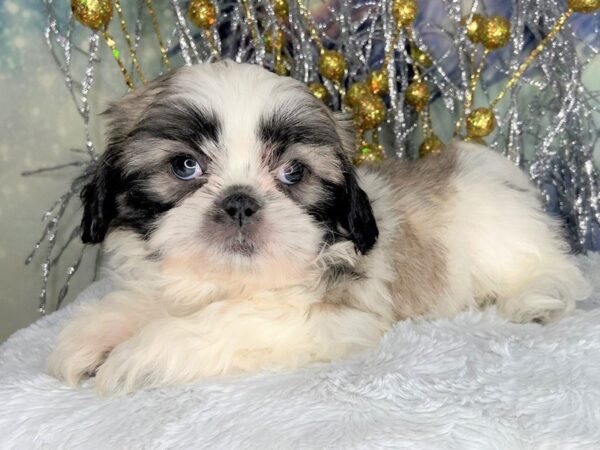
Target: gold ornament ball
{"x": 378, "y": 82}
{"x": 203, "y": 13}
{"x": 495, "y": 33}
{"x": 475, "y": 27}
{"x": 431, "y": 145}
{"x": 417, "y": 95}
{"x": 268, "y": 39}
{"x": 584, "y": 6}
{"x": 404, "y": 12}
{"x": 319, "y": 91}
{"x": 420, "y": 57}
{"x": 368, "y": 153}
{"x": 281, "y": 9}
{"x": 480, "y": 123}
{"x": 369, "y": 112}
{"x": 356, "y": 93}
{"x": 332, "y": 65}
{"x": 95, "y": 14}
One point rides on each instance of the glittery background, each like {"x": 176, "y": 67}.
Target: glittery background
{"x": 40, "y": 126}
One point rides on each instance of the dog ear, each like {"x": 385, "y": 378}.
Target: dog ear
{"x": 353, "y": 207}
{"x": 354, "y": 213}
{"x": 99, "y": 194}
{"x": 99, "y": 204}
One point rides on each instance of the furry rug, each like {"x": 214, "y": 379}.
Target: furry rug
{"x": 471, "y": 382}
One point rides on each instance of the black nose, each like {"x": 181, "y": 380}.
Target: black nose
{"x": 240, "y": 207}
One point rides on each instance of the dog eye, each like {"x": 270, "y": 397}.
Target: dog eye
{"x": 186, "y": 168}
{"x": 292, "y": 173}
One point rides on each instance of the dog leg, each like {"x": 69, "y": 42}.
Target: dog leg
{"x": 96, "y": 329}
{"x": 230, "y": 337}
{"x": 544, "y": 292}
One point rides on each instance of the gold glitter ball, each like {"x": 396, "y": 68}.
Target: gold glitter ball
{"x": 405, "y": 12}
{"x": 584, "y": 6}
{"x": 95, "y": 14}
{"x": 378, "y": 82}
{"x": 268, "y": 39}
{"x": 369, "y": 154}
{"x": 319, "y": 91}
{"x": 203, "y": 13}
{"x": 495, "y": 33}
{"x": 420, "y": 57}
{"x": 474, "y": 27}
{"x": 332, "y": 65}
{"x": 281, "y": 9}
{"x": 480, "y": 123}
{"x": 431, "y": 145}
{"x": 369, "y": 112}
{"x": 417, "y": 95}
{"x": 356, "y": 93}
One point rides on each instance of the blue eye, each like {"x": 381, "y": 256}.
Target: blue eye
{"x": 186, "y": 168}
{"x": 292, "y": 173}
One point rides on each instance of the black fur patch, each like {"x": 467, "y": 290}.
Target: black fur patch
{"x": 345, "y": 209}
{"x": 285, "y": 128}
{"x": 181, "y": 122}
{"x": 114, "y": 197}
{"x": 346, "y": 212}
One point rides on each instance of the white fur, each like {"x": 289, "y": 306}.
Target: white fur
{"x": 198, "y": 311}
{"x": 471, "y": 382}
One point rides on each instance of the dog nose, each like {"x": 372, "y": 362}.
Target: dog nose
{"x": 240, "y": 207}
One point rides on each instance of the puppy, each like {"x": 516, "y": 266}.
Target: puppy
{"x": 241, "y": 238}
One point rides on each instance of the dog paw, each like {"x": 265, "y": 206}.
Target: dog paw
{"x": 537, "y": 308}
{"x": 128, "y": 367}
{"x": 76, "y": 358}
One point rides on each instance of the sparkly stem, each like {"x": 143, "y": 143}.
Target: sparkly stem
{"x": 117, "y": 55}
{"x": 208, "y": 35}
{"x": 411, "y": 41}
{"x": 156, "y": 27}
{"x": 534, "y": 54}
{"x": 470, "y": 92}
{"x": 253, "y": 26}
{"x": 389, "y": 55}
{"x": 312, "y": 28}
{"x": 132, "y": 52}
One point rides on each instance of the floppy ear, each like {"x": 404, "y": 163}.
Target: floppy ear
{"x": 354, "y": 213}
{"x": 99, "y": 205}
{"x": 99, "y": 194}
{"x": 353, "y": 208}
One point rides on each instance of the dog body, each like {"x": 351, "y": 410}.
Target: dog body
{"x": 240, "y": 238}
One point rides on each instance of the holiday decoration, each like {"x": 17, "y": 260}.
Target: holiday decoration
{"x": 418, "y": 73}
{"x": 95, "y": 14}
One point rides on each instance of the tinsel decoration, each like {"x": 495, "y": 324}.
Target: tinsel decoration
{"x": 414, "y": 73}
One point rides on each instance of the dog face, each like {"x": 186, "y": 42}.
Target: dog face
{"x": 231, "y": 167}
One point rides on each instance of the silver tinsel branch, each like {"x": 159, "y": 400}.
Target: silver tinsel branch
{"x": 548, "y": 124}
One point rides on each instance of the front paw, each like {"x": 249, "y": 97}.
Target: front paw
{"x": 76, "y": 355}
{"x": 128, "y": 367}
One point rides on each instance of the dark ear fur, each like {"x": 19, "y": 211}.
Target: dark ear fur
{"x": 356, "y": 215}
{"x": 354, "y": 212}
{"x": 99, "y": 194}
{"x": 99, "y": 205}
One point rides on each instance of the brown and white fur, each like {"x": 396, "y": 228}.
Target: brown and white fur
{"x": 317, "y": 269}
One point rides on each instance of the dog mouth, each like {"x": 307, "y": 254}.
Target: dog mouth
{"x": 241, "y": 245}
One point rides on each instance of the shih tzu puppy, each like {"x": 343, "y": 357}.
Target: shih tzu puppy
{"x": 241, "y": 238}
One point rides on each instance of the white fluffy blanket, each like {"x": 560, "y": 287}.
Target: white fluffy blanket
{"x": 472, "y": 382}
